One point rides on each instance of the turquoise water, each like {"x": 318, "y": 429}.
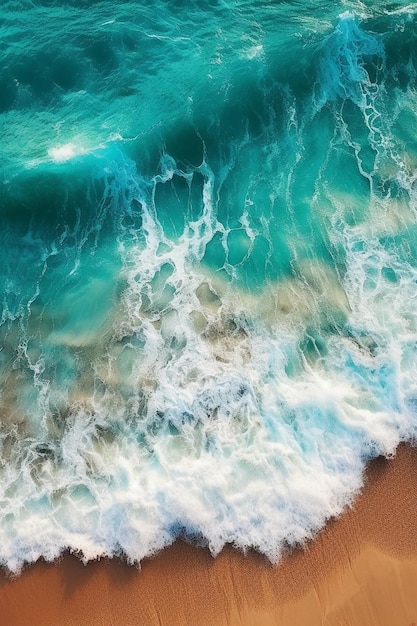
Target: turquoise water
{"x": 208, "y": 275}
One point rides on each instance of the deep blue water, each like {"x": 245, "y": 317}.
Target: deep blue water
{"x": 208, "y": 275}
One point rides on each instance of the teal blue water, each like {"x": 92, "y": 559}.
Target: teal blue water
{"x": 208, "y": 268}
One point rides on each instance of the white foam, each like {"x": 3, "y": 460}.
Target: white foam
{"x": 205, "y": 432}
{"x": 65, "y": 152}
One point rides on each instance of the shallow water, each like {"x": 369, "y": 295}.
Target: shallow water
{"x": 208, "y": 269}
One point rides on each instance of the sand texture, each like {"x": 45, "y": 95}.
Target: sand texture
{"x": 360, "y": 571}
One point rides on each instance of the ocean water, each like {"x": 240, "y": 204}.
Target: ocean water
{"x": 208, "y": 269}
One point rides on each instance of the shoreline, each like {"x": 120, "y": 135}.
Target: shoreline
{"x": 360, "y": 569}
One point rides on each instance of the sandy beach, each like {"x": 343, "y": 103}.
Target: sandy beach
{"x": 361, "y": 569}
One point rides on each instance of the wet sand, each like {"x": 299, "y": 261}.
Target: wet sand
{"x": 361, "y": 570}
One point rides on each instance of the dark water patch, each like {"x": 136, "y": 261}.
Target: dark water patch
{"x": 50, "y": 203}
{"x": 185, "y": 146}
{"x": 171, "y": 199}
{"x": 43, "y": 73}
{"x": 102, "y": 52}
